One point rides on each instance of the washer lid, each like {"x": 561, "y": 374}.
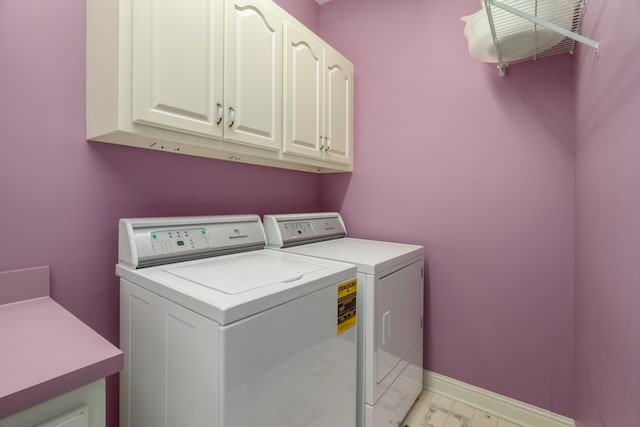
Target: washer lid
{"x": 244, "y": 273}
{"x": 232, "y": 287}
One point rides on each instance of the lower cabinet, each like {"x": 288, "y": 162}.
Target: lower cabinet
{"x": 82, "y": 407}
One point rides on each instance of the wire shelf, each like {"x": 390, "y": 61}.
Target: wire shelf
{"x": 525, "y": 30}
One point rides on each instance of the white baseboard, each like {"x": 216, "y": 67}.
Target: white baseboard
{"x": 493, "y": 403}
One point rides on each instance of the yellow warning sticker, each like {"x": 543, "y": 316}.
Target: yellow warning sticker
{"x": 347, "y": 305}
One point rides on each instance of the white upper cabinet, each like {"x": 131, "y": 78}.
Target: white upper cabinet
{"x": 318, "y": 98}
{"x": 304, "y": 92}
{"x": 177, "y": 65}
{"x": 185, "y": 78}
{"x": 338, "y": 107}
{"x": 237, "y": 80}
{"x": 253, "y": 74}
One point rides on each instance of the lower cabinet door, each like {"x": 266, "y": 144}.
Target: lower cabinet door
{"x": 78, "y": 417}
{"x": 82, "y": 407}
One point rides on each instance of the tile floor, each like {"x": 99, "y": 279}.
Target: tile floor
{"x": 434, "y": 410}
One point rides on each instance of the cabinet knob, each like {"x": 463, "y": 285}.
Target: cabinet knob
{"x": 328, "y": 146}
{"x": 232, "y": 116}
{"x": 322, "y": 138}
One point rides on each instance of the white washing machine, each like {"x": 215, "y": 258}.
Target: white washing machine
{"x": 390, "y": 308}
{"x": 219, "y": 332}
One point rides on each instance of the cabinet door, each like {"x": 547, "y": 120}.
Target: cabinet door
{"x": 81, "y": 407}
{"x": 303, "y": 92}
{"x": 177, "y": 65}
{"x": 253, "y": 73}
{"x": 78, "y": 417}
{"x": 339, "y": 107}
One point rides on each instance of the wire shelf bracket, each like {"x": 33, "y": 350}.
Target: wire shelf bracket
{"x": 555, "y": 30}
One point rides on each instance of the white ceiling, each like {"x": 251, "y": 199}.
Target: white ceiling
{"x": 322, "y": 1}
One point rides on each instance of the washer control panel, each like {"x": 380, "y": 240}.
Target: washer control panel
{"x": 178, "y": 240}
{"x": 146, "y": 242}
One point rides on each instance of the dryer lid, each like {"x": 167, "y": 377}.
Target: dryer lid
{"x": 244, "y": 272}
{"x": 370, "y": 256}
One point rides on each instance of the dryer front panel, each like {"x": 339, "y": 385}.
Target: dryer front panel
{"x": 398, "y": 317}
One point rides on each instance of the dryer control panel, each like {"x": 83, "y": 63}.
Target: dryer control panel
{"x": 289, "y": 230}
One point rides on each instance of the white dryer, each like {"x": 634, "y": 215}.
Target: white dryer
{"x": 390, "y": 308}
{"x": 219, "y": 332}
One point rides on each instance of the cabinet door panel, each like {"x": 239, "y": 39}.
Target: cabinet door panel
{"x": 78, "y": 417}
{"x": 253, "y": 74}
{"x": 303, "y": 93}
{"x": 339, "y": 107}
{"x": 177, "y": 64}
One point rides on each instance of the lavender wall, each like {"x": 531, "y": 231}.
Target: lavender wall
{"x": 306, "y": 11}
{"x": 477, "y": 169}
{"x": 61, "y": 197}
{"x": 608, "y": 219}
